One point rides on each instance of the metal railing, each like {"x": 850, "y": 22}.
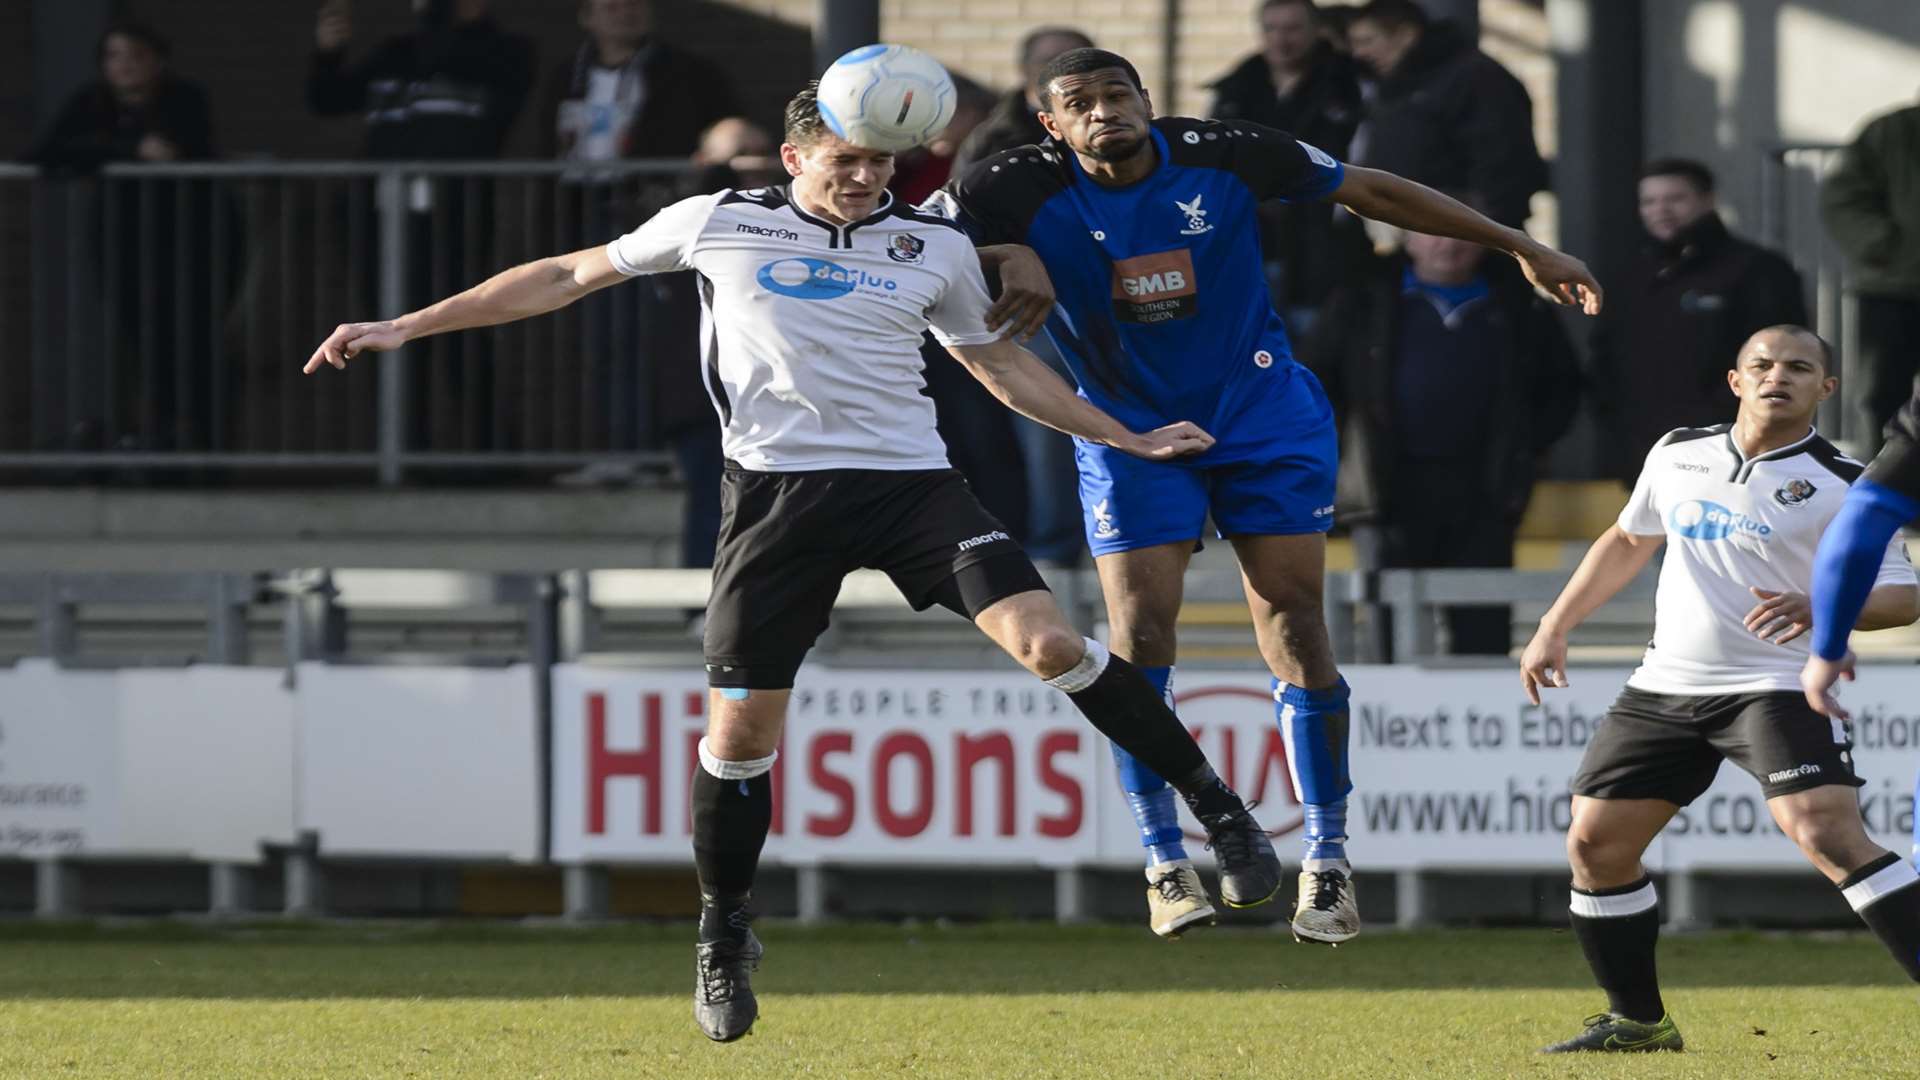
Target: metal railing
{"x": 166, "y": 310}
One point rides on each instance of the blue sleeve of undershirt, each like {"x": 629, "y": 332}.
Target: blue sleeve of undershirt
{"x": 1848, "y": 561}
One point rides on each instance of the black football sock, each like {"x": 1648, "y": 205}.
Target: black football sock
{"x": 732, "y": 811}
{"x": 1618, "y": 929}
{"x": 1885, "y": 893}
{"x": 1120, "y": 701}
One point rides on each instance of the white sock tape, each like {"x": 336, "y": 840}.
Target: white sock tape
{"x": 1081, "y": 675}
{"x": 1615, "y": 905}
{"x": 1894, "y": 877}
{"x": 734, "y": 770}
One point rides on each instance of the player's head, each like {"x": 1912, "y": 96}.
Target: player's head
{"x": 1383, "y": 32}
{"x": 1038, "y": 49}
{"x": 1674, "y": 193}
{"x": 829, "y": 173}
{"x": 1289, "y": 29}
{"x": 1782, "y": 375}
{"x": 1092, "y": 100}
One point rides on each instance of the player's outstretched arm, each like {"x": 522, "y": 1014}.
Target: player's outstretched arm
{"x": 1610, "y": 564}
{"x": 529, "y": 289}
{"x": 1395, "y": 200}
{"x": 1029, "y": 387}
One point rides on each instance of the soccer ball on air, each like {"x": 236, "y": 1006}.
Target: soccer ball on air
{"x": 886, "y": 97}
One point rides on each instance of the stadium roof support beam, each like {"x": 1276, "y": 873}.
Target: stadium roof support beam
{"x": 840, "y": 26}
{"x": 1598, "y": 49}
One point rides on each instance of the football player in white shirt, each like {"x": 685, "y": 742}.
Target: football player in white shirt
{"x": 1741, "y": 508}
{"x": 816, "y": 296}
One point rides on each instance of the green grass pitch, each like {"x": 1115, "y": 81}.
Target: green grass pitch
{"x": 413, "y": 1000}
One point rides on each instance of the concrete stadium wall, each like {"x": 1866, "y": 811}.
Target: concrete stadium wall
{"x": 1725, "y": 80}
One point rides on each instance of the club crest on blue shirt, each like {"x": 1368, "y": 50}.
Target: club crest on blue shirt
{"x": 906, "y": 248}
{"x": 1794, "y": 492}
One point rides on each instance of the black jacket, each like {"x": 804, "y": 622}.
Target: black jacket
{"x": 1452, "y": 118}
{"x": 1537, "y": 389}
{"x": 1300, "y": 241}
{"x": 1011, "y": 123}
{"x": 682, "y": 95}
{"x": 1671, "y": 328}
{"x": 95, "y": 127}
{"x": 442, "y": 93}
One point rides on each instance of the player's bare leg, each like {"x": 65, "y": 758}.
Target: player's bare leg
{"x": 1119, "y": 701}
{"x": 1882, "y": 887}
{"x": 732, "y": 799}
{"x": 1616, "y": 917}
{"x": 1284, "y": 578}
{"x": 1143, "y": 590}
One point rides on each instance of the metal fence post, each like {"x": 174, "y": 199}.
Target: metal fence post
{"x": 227, "y": 619}
{"x": 586, "y": 892}
{"x": 390, "y": 200}
{"x": 230, "y": 887}
{"x": 812, "y": 888}
{"x": 56, "y": 889}
{"x": 58, "y": 635}
{"x": 543, "y": 651}
{"x": 1410, "y": 900}
{"x": 1070, "y": 889}
{"x": 1686, "y": 902}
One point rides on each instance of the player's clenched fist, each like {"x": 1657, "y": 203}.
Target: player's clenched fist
{"x": 1183, "y": 439}
{"x": 348, "y": 339}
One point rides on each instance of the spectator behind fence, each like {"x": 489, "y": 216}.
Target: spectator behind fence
{"x": 625, "y": 93}
{"x": 1014, "y": 121}
{"x": 1690, "y": 299}
{"x": 1871, "y": 204}
{"x": 919, "y": 172}
{"x": 1443, "y": 112}
{"x": 1301, "y": 85}
{"x": 139, "y": 111}
{"x": 1451, "y": 380}
{"x": 1053, "y": 534}
{"x": 448, "y": 90}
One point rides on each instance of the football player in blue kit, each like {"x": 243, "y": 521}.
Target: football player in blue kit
{"x": 1132, "y": 240}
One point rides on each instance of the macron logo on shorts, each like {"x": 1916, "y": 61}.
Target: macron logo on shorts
{"x": 1790, "y": 774}
{"x": 986, "y": 538}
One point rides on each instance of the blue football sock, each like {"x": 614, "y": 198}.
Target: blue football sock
{"x": 1149, "y": 797}
{"x": 1314, "y": 725}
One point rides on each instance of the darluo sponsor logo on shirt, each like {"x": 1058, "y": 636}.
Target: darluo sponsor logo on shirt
{"x": 1702, "y": 519}
{"x": 818, "y": 279}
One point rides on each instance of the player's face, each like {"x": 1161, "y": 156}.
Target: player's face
{"x": 1442, "y": 260}
{"x": 1099, "y": 114}
{"x": 1287, "y": 35}
{"x": 1780, "y": 378}
{"x": 833, "y": 174}
{"x": 1669, "y": 204}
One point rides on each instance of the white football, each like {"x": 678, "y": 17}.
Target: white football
{"x": 886, "y": 97}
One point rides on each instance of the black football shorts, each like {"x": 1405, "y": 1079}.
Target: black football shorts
{"x": 1669, "y": 746}
{"x": 788, "y": 538}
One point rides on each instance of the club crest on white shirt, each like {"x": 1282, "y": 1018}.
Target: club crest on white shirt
{"x": 1794, "y": 492}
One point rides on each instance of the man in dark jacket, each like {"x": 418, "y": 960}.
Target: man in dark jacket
{"x": 1014, "y": 120}
{"x": 1298, "y": 83}
{"x": 1694, "y": 295}
{"x": 1450, "y": 379}
{"x": 1443, "y": 112}
{"x": 449, "y": 90}
{"x": 626, "y": 93}
{"x": 1871, "y": 203}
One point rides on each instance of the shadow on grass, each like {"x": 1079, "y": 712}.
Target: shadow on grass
{"x": 412, "y": 960}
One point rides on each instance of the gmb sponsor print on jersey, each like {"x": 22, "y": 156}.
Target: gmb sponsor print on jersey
{"x": 1155, "y": 288}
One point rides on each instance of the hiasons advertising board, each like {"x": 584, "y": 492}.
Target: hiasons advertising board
{"x": 1452, "y": 769}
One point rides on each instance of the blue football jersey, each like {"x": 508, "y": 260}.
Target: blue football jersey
{"x": 1163, "y": 312}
